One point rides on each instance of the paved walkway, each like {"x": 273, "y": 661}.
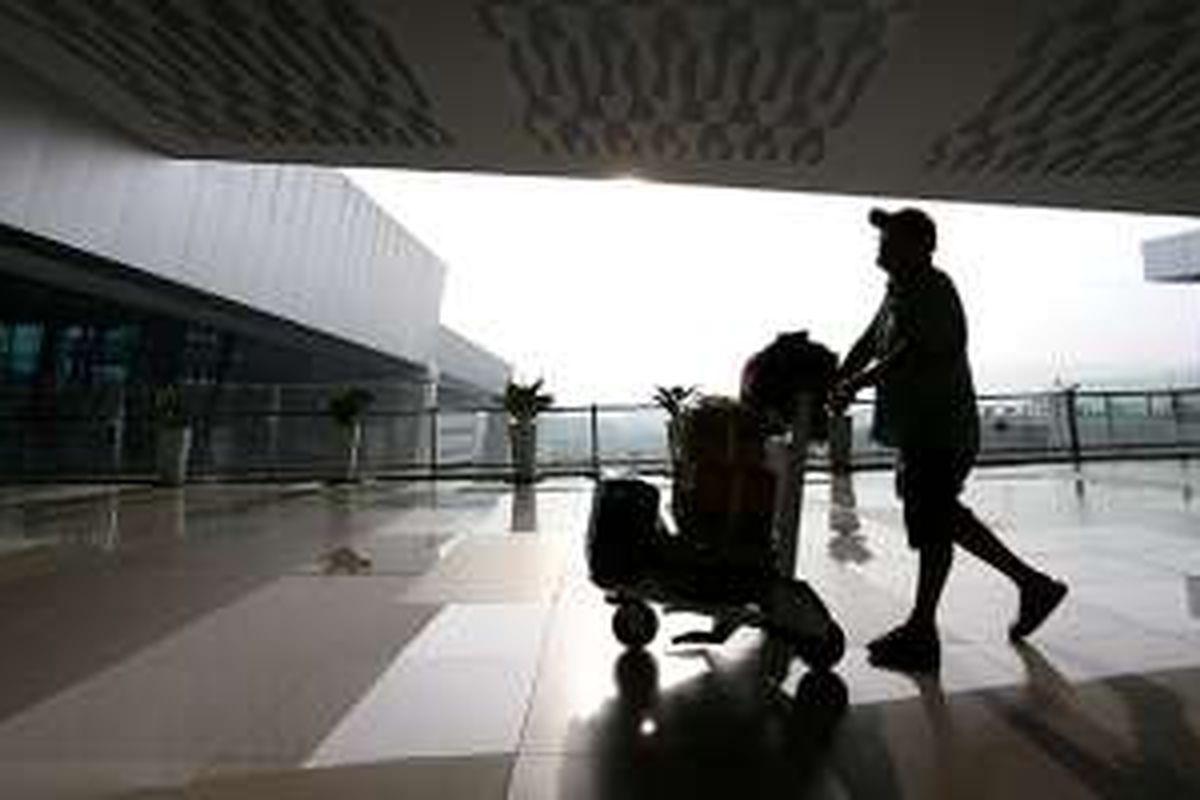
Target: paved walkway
{"x": 187, "y": 644}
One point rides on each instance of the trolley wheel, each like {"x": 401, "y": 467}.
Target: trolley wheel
{"x": 823, "y": 652}
{"x": 821, "y": 698}
{"x": 634, "y": 623}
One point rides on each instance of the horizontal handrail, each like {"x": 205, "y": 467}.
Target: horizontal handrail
{"x": 38, "y": 414}
{"x": 1065, "y": 424}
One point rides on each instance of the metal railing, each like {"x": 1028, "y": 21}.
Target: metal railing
{"x": 247, "y": 440}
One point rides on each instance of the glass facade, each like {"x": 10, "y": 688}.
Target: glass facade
{"x": 78, "y": 369}
{"x": 52, "y": 338}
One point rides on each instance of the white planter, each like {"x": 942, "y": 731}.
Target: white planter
{"x": 524, "y": 509}
{"x": 174, "y": 448}
{"x": 523, "y": 439}
{"x": 351, "y": 448}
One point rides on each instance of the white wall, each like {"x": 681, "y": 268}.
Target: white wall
{"x": 298, "y": 242}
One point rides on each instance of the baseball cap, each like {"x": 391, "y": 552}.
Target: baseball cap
{"x": 910, "y": 221}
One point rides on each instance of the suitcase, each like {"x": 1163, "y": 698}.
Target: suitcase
{"x": 724, "y": 494}
{"x": 728, "y": 507}
{"x": 622, "y": 530}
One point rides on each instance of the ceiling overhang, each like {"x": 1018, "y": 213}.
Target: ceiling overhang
{"x": 1086, "y": 103}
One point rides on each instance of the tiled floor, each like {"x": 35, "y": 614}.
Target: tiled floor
{"x": 188, "y": 645}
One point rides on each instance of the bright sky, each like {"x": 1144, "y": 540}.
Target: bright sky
{"x": 610, "y": 288}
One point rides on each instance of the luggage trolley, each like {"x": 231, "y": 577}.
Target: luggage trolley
{"x": 637, "y": 562}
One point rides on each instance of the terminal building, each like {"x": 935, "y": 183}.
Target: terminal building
{"x": 251, "y": 284}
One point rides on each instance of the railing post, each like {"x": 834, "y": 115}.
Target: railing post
{"x": 275, "y": 408}
{"x": 117, "y": 431}
{"x": 1176, "y": 416}
{"x": 594, "y": 438}
{"x": 1109, "y": 422}
{"x": 433, "y": 440}
{"x": 430, "y": 401}
{"x": 1072, "y": 425}
{"x": 840, "y": 434}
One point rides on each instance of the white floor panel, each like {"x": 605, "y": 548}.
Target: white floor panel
{"x": 460, "y": 688}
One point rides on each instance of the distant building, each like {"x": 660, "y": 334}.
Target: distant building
{"x": 1173, "y": 259}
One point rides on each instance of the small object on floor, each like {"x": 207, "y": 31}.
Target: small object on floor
{"x": 345, "y": 560}
{"x": 906, "y": 649}
{"x": 843, "y": 519}
{"x": 1038, "y": 602}
{"x": 849, "y": 548}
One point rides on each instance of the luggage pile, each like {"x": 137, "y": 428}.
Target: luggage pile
{"x": 725, "y": 489}
{"x": 730, "y": 503}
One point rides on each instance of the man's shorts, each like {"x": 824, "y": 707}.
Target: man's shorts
{"x": 928, "y": 482}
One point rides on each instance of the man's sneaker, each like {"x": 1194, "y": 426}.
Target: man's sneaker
{"x": 906, "y": 649}
{"x": 1038, "y": 601}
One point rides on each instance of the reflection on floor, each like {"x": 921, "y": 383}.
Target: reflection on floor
{"x": 188, "y": 644}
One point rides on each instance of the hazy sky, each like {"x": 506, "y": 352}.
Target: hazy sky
{"x": 609, "y": 288}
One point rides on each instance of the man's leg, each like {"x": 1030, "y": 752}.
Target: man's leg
{"x": 932, "y": 572}
{"x": 915, "y": 646}
{"x": 979, "y": 540}
{"x": 1040, "y": 594}
{"x": 929, "y": 491}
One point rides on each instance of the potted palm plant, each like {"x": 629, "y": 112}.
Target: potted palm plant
{"x": 346, "y": 409}
{"x": 174, "y": 435}
{"x": 523, "y": 402}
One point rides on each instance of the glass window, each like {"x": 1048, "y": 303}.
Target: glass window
{"x": 24, "y": 347}
{"x": 116, "y": 354}
{"x": 71, "y": 355}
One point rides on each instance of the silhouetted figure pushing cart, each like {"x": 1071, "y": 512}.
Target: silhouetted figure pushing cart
{"x": 914, "y": 352}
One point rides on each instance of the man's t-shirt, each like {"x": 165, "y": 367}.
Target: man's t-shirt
{"x": 927, "y": 399}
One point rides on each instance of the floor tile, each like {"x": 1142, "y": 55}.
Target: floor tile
{"x": 474, "y": 778}
{"x": 433, "y": 707}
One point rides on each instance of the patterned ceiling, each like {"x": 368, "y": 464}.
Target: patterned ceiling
{"x": 253, "y": 74}
{"x": 1090, "y": 103}
{"x": 1098, "y": 89}
{"x": 715, "y": 81}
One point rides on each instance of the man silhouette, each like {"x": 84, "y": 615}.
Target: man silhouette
{"x": 915, "y": 353}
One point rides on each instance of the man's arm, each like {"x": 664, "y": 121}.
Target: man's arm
{"x": 862, "y": 352}
{"x": 871, "y": 374}
{"x": 849, "y": 383}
